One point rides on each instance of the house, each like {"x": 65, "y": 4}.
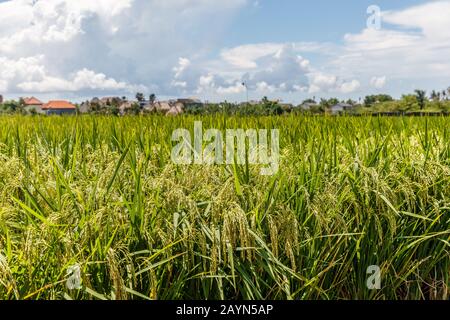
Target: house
{"x": 175, "y": 109}
{"x": 143, "y": 103}
{"x": 150, "y": 107}
{"x": 58, "y": 107}
{"x": 85, "y": 107}
{"x": 163, "y": 106}
{"x": 340, "y": 108}
{"x": 109, "y": 101}
{"x": 33, "y": 103}
{"x": 307, "y": 106}
{"x": 190, "y": 101}
{"x": 96, "y": 101}
{"x": 126, "y": 107}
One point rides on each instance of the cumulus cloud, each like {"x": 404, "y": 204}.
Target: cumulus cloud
{"x": 264, "y": 68}
{"x": 120, "y": 44}
{"x": 417, "y": 48}
{"x": 284, "y": 70}
{"x": 328, "y": 83}
{"x": 378, "y": 82}
{"x": 80, "y": 81}
{"x": 30, "y": 75}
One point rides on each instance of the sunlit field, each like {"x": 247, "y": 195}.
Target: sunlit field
{"x": 102, "y": 193}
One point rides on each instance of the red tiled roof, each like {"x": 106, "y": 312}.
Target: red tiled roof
{"x": 32, "y": 101}
{"x": 58, "y": 104}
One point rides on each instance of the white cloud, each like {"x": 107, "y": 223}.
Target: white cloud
{"x": 119, "y": 42}
{"x": 90, "y": 46}
{"x": 82, "y": 80}
{"x": 265, "y": 68}
{"x": 244, "y": 57}
{"x": 378, "y": 82}
{"x": 419, "y": 47}
{"x": 30, "y": 75}
{"x": 328, "y": 83}
{"x": 264, "y": 87}
{"x": 183, "y": 64}
{"x": 349, "y": 87}
{"x": 233, "y": 89}
{"x": 285, "y": 70}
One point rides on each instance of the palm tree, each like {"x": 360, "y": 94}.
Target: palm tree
{"x": 140, "y": 97}
{"x": 434, "y": 95}
{"x": 152, "y": 98}
{"x": 421, "y": 97}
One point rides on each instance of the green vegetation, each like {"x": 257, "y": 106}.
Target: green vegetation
{"x": 418, "y": 102}
{"x": 101, "y": 192}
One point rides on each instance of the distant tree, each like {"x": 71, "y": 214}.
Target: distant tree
{"x": 11, "y": 106}
{"x": 434, "y": 95}
{"x": 152, "y": 98}
{"x": 140, "y": 97}
{"x": 114, "y": 110}
{"x": 369, "y": 101}
{"x": 324, "y": 104}
{"x": 135, "y": 109}
{"x": 379, "y": 98}
{"x": 408, "y": 102}
{"x": 333, "y": 102}
{"x": 95, "y": 106}
{"x": 421, "y": 98}
{"x": 268, "y": 108}
{"x": 312, "y": 101}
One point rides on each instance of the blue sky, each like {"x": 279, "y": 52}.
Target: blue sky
{"x": 293, "y": 20}
{"x": 286, "y": 49}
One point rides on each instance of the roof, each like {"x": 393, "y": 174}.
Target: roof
{"x": 110, "y": 99}
{"x": 190, "y": 100}
{"x": 126, "y": 105}
{"x": 163, "y": 105}
{"x": 343, "y": 105}
{"x": 59, "y": 104}
{"x": 32, "y": 101}
{"x": 175, "y": 110}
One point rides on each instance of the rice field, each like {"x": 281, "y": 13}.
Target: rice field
{"x": 102, "y": 194}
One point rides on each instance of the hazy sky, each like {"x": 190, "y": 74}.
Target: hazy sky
{"x": 287, "y": 49}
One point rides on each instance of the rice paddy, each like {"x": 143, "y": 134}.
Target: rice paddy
{"x": 102, "y": 194}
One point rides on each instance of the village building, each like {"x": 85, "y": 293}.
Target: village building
{"x": 109, "y": 101}
{"x": 58, "y": 107}
{"x": 175, "y": 109}
{"x": 85, "y": 107}
{"x": 33, "y": 104}
{"x": 163, "y": 106}
{"x": 340, "y": 108}
{"x": 126, "y": 107}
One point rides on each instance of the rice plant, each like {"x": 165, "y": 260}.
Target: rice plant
{"x": 101, "y": 193}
